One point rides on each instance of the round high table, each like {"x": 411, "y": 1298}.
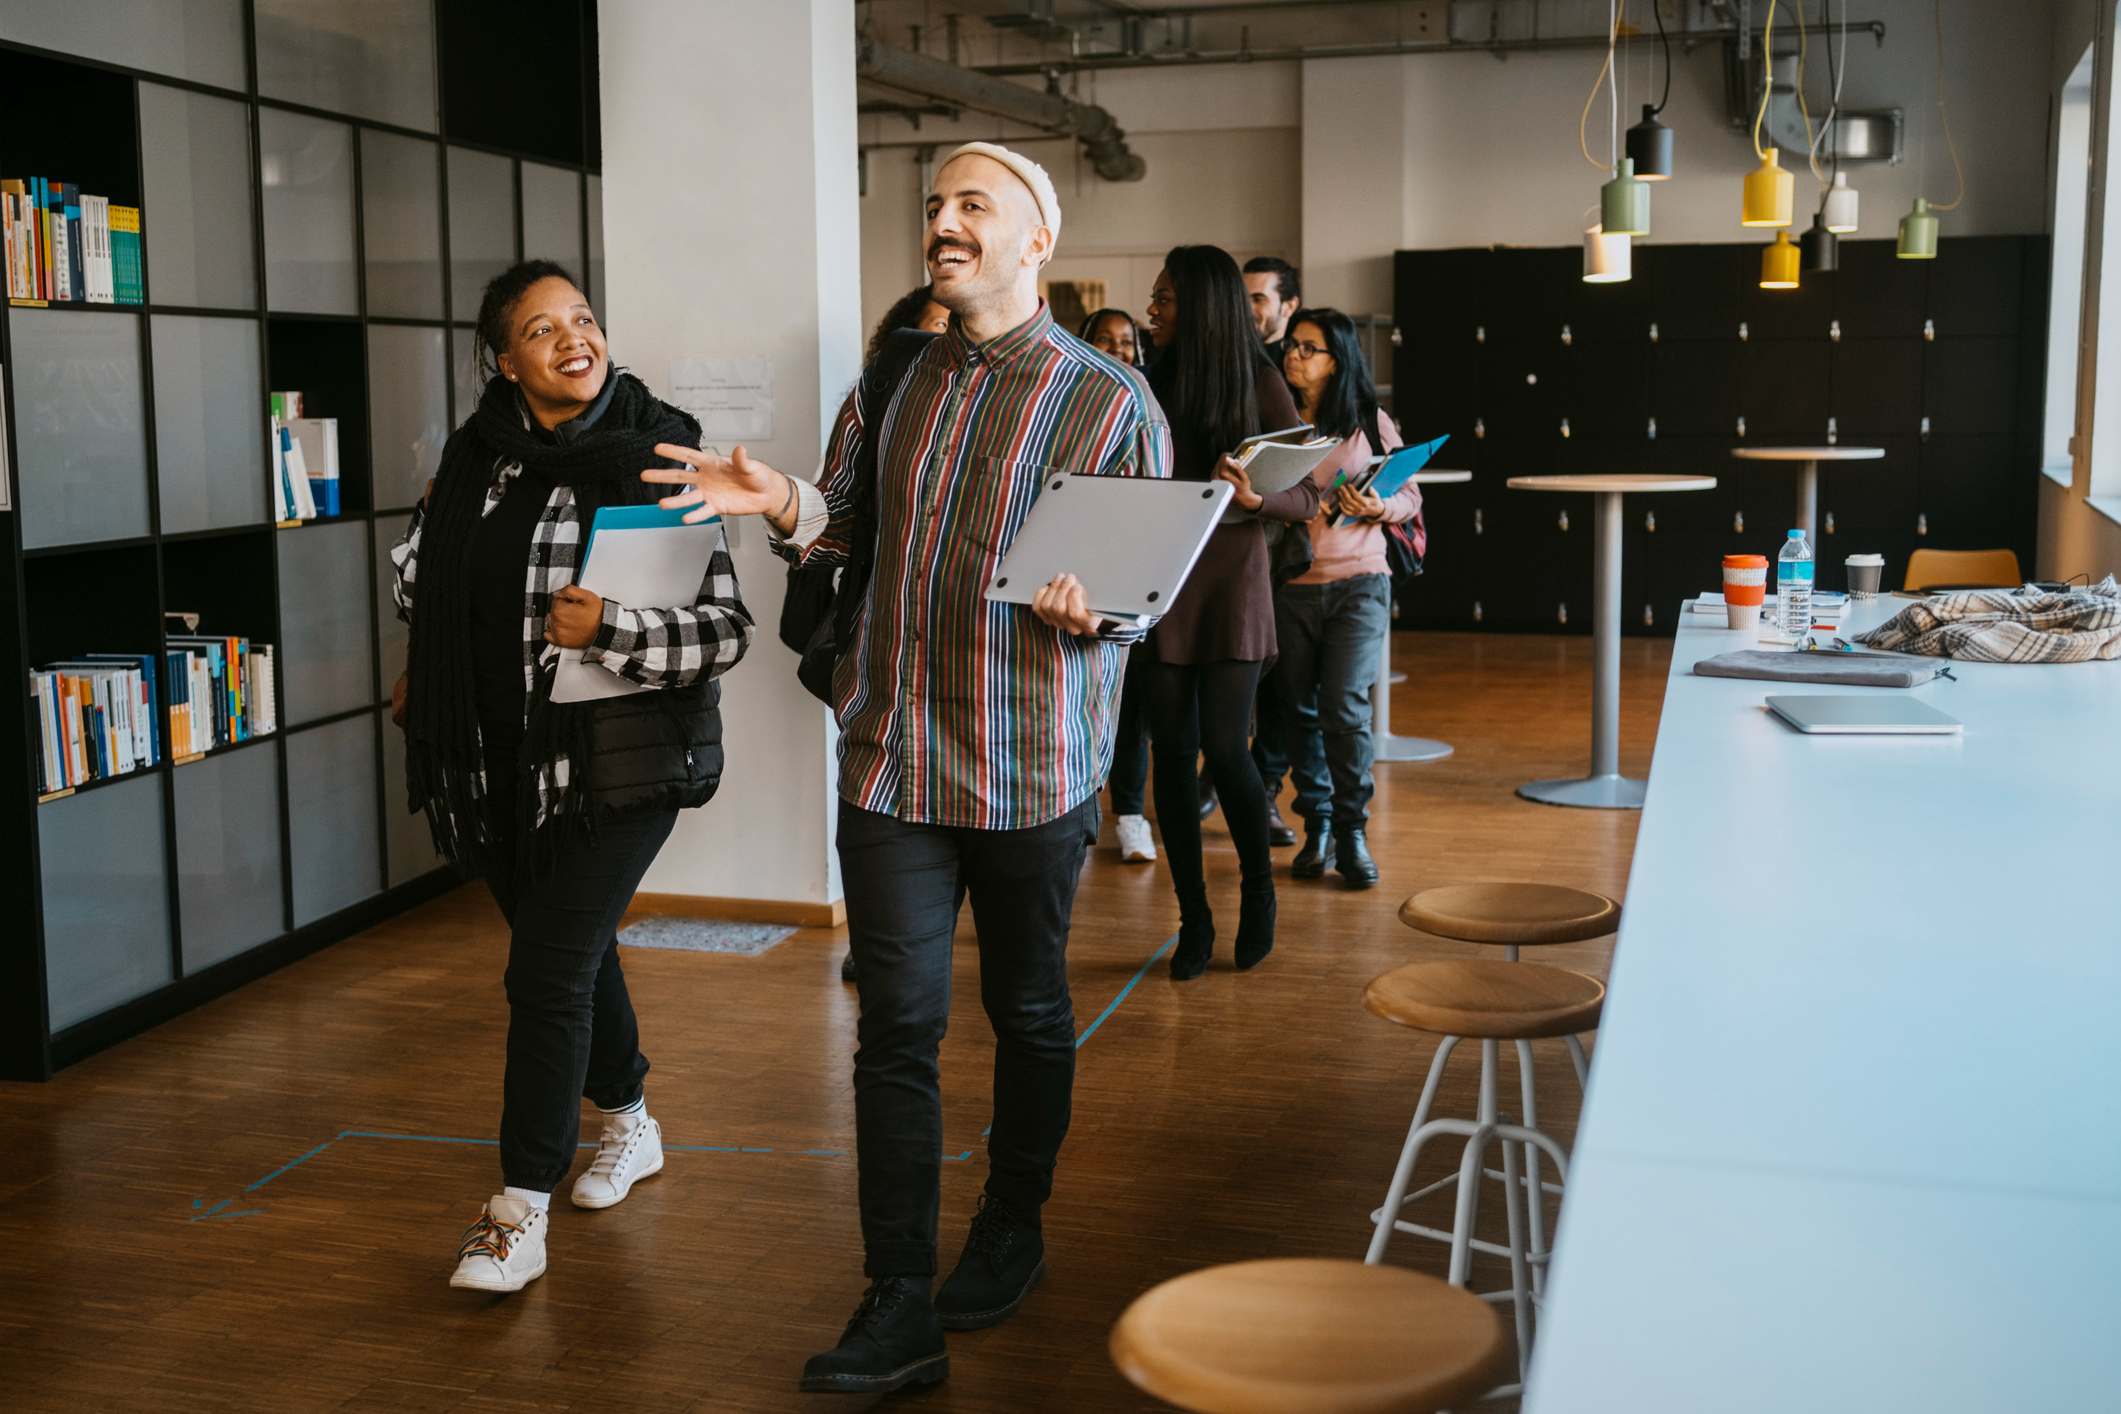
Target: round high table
{"x": 1605, "y": 788}
{"x": 1807, "y": 461}
{"x": 1386, "y": 746}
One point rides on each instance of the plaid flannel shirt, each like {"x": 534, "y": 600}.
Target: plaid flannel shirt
{"x": 2009, "y": 626}
{"x": 658, "y": 648}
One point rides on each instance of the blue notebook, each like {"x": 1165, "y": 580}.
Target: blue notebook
{"x": 1388, "y": 476}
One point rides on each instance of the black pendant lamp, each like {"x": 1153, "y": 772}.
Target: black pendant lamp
{"x": 1650, "y": 147}
{"x": 1821, "y": 247}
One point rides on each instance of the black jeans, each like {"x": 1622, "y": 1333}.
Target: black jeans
{"x": 1330, "y": 637}
{"x": 1130, "y": 744}
{"x": 1271, "y": 732}
{"x": 904, "y": 886}
{"x": 571, "y": 1029}
{"x": 1206, "y": 710}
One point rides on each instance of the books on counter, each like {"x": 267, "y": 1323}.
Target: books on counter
{"x": 63, "y": 244}
{"x": 305, "y": 461}
{"x": 102, "y": 715}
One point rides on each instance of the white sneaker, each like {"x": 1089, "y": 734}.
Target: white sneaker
{"x": 1136, "y": 844}
{"x": 504, "y": 1250}
{"x": 630, "y": 1149}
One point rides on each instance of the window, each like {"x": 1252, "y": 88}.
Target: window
{"x": 2073, "y": 143}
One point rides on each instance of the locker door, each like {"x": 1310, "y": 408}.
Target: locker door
{"x": 1978, "y": 286}
{"x": 1970, "y": 386}
{"x": 1784, "y": 391}
{"x": 1696, "y": 290}
{"x": 1869, "y": 508}
{"x": 1695, "y": 389}
{"x": 1965, "y": 492}
{"x": 1876, "y": 388}
{"x": 1877, "y": 295}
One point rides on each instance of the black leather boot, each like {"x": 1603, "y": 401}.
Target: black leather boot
{"x": 848, "y": 971}
{"x": 894, "y": 1340}
{"x": 1004, "y": 1257}
{"x": 1279, "y": 834}
{"x": 1317, "y": 853}
{"x": 1255, "y": 924}
{"x": 1196, "y": 939}
{"x": 1352, "y": 861}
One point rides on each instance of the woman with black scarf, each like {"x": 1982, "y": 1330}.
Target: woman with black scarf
{"x": 562, "y": 806}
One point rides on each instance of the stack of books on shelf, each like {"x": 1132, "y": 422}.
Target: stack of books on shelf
{"x": 63, "y": 244}
{"x": 96, "y": 718}
{"x": 305, "y": 481}
{"x": 220, "y": 693}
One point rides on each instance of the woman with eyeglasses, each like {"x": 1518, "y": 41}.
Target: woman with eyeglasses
{"x": 1217, "y": 388}
{"x": 1330, "y": 620}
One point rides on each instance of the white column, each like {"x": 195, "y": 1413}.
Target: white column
{"x": 1354, "y": 181}
{"x": 731, "y": 231}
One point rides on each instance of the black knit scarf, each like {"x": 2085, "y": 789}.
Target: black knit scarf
{"x": 443, "y": 761}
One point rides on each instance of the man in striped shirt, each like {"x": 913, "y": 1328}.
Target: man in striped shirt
{"x": 974, "y": 738}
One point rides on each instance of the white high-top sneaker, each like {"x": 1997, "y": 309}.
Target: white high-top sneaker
{"x": 504, "y": 1250}
{"x": 630, "y": 1149}
{"x": 1136, "y": 844}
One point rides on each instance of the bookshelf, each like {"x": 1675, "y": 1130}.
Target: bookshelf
{"x": 324, "y": 187}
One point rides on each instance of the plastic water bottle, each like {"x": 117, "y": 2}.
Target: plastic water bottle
{"x": 1793, "y": 587}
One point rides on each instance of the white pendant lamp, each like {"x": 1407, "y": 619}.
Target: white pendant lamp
{"x": 1607, "y": 259}
{"x": 1840, "y": 209}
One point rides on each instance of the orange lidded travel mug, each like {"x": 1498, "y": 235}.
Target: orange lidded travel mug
{"x": 1744, "y": 590}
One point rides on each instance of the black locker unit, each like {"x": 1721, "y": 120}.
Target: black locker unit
{"x": 1673, "y": 370}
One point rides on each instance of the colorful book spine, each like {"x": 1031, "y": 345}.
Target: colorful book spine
{"x": 128, "y": 275}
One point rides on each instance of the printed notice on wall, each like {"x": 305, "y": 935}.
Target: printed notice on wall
{"x": 732, "y": 397}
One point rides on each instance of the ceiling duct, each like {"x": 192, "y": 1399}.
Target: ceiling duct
{"x": 1877, "y": 135}
{"x": 1104, "y": 142}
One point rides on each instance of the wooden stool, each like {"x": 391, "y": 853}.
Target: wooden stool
{"x": 1511, "y": 914}
{"x": 1492, "y": 1001}
{"x": 1331, "y": 1337}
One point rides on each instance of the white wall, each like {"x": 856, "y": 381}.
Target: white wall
{"x": 719, "y": 248}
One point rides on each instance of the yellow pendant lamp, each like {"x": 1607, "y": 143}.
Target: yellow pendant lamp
{"x": 1770, "y": 197}
{"x": 1778, "y": 264}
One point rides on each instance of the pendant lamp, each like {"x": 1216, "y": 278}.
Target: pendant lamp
{"x": 1778, "y": 264}
{"x": 1841, "y": 206}
{"x": 1624, "y": 203}
{"x": 1821, "y": 247}
{"x": 1770, "y": 194}
{"x": 1608, "y": 259}
{"x": 1918, "y": 233}
{"x": 1650, "y": 147}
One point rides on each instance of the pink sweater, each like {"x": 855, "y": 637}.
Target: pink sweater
{"x": 1354, "y": 547}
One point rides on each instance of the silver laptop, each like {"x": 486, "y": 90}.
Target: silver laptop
{"x": 1131, "y": 540}
{"x": 1851, "y": 715}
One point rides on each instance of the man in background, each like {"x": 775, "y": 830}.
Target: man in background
{"x": 1276, "y": 292}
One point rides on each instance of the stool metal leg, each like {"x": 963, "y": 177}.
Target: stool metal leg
{"x": 1533, "y": 1190}
{"x": 1469, "y": 1170}
{"x": 1513, "y": 1202}
{"x": 1404, "y": 1174}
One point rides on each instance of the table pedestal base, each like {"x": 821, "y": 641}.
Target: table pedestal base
{"x": 1410, "y": 748}
{"x": 1588, "y": 793}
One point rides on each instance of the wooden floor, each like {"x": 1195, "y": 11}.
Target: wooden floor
{"x": 257, "y": 1205}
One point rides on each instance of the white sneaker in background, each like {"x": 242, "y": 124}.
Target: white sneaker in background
{"x": 1136, "y": 844}
{"x": 504, "y": 1250}
{"x": 630, "y": 1149}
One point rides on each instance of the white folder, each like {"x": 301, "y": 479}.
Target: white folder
{"x": 644, "y": 557}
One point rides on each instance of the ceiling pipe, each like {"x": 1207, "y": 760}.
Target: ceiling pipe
{"x": 1498, "y": 47}
{"x": 1103, "y": 141}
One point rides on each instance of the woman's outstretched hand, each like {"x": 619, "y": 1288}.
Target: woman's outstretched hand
{"x": 715, "y": 485}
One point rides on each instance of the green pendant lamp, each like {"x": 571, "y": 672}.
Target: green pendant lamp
{"x": 1778, "y": 264}
{"x": 1770, "y": 194}
{"x": 1918, "y": 233}
{"x": 1624, "y": 202}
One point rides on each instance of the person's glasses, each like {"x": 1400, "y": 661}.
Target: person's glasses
{"x": 1306, "y": 350}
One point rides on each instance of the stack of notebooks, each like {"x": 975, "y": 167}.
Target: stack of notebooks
{"x": 96, "y": 719}
{"x": 220, "y": 692}
{"x": 305, "y": 481}
{"x": 63, "y": 244}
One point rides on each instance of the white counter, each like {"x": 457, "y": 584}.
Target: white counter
{"x": 1853, "y": 1137}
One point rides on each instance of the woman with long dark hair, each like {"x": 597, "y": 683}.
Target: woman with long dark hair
{"x": 1331, "y": 619}
{"x": 562, "y": 806}
{"x": 915, "y": 309}
{"x": 1217, "y": 388}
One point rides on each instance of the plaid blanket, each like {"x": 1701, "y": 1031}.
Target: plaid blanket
{"x": 2009, "y": 626}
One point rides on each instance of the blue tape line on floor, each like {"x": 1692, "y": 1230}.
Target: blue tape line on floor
{"x": 202, "y": 1213}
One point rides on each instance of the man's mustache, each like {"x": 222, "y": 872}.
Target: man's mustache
{"x": 941, "y": 244}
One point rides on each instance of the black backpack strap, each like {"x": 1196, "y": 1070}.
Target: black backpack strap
{"x": 880, "y": 383}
